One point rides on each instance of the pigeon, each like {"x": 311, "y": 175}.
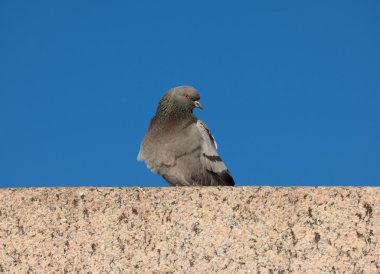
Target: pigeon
{"x": 179, "y": 147}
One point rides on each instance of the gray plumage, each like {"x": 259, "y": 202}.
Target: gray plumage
{"x": 179, "y": 147}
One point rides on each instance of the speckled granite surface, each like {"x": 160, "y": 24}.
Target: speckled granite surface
{"x": 192, "y": 230}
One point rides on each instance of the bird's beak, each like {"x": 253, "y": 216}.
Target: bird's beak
{"x": 198, "y": 105}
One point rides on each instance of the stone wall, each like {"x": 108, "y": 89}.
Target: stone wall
{"x": 192, "y": 230}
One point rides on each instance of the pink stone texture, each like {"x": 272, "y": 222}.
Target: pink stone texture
{"x": 190, "y": 230}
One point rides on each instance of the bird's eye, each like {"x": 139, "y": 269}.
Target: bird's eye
{"x": 186, "y": 96}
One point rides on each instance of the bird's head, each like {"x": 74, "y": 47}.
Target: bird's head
{"x": 185, "y": 98}
{"x": 180, "y": 99}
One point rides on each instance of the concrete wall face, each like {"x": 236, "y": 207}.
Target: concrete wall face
{"x": 192, "y": 230}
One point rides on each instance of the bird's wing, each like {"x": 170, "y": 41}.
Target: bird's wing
{"x": 210, "y": 158}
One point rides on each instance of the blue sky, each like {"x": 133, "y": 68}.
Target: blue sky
{"x": 290, "y": 89}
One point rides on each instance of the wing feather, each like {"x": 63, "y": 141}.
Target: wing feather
{"x": 210, "y": 158}
{"x": 209, "y": 155}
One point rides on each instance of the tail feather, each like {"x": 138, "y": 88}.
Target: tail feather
{"x": 223, "y": 178}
